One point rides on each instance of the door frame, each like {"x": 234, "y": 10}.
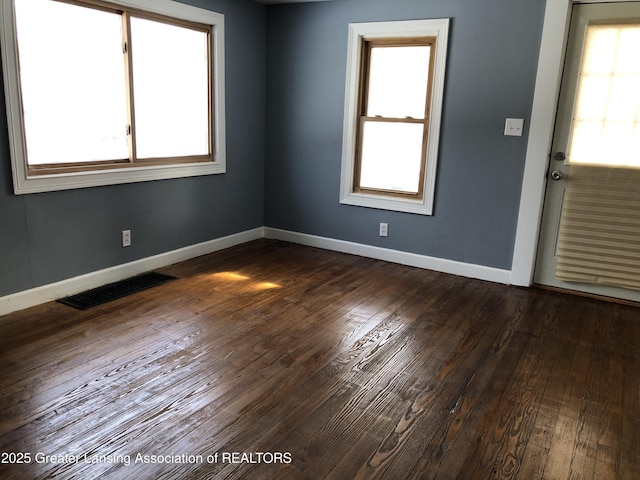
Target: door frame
{"x": 545, "y": 102}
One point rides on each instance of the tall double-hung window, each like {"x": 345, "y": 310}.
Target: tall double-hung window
{"x": 392, "y": 114}
{"x": 101, "y": 92}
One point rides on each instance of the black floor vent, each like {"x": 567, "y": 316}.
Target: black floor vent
{"x": 106, "y": 293}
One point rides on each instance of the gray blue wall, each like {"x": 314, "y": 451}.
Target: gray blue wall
{"x": 48, "y": 237}
{"x": 286, "y": 64}
{"x": 492, "y": 60}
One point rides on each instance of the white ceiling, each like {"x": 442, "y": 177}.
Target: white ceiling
{"x": 273, "y": 2}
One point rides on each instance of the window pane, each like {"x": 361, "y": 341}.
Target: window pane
{"x": 600, "y": 42}
{"x": 594, "y": 92}
{"x": 171, "y": 89}
{"x": 72, "y": 79}
{"x": 606, "y": 126}
{"x": 391, "y": 156}
{"x": 398, "y": 78}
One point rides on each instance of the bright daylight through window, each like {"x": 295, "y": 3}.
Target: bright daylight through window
{"x": 393, "y": 126}
{"x": 392, "y": 114}
{"x": 606, "y": 126}
{"x": 126, "y": 94}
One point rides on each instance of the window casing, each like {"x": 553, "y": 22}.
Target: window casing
{"x": 185, "y": 142}
{"x": 391, "y": 137}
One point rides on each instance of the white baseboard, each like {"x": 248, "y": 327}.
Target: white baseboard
{"x": 64, "y": 288}
{"x": 479, "y": 272}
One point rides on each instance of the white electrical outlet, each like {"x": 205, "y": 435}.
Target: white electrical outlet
{"x": 513, "y": 127}
{"x": 126, "y": 238}
{"x": 384, "y": 229}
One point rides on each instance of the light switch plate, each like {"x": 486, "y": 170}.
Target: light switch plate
{"x": 513, "y": 127}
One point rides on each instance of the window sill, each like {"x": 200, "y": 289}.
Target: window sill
{"x": 420, "y": 207}
{"x": 24, "y": 184}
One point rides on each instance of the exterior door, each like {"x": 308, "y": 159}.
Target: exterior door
{"x": 590, "y": 232}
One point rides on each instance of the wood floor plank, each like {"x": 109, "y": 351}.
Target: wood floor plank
{"x": 539, "y": 445}
{"x": 344, "y": 367}
{"x": 454, "y": 436}
{"x": 438, "y": 398}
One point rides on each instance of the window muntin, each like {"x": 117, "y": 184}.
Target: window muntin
{"x": 396, "y": 81}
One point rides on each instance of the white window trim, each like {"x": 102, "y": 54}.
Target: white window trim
{"x": 23, "y": 183}
{"x": 358, "y": 32}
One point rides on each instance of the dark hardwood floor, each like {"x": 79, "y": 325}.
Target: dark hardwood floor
{"x": 277, "y": 361}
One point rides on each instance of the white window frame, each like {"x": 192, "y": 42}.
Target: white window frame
{"x": 358, "y": 33}
{"x": 24, "y": 183}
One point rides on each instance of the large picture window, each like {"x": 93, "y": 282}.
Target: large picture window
{"x": 392, "y": 114}
{"x": 99, "y": 93}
